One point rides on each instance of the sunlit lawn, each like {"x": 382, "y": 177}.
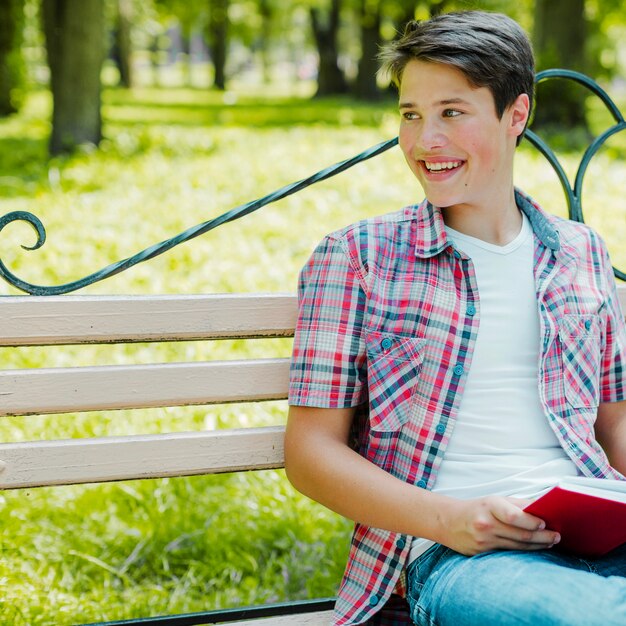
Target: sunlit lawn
{"x": 172, "y": 159}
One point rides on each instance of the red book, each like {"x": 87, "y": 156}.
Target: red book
{"x": 589, "y": 514}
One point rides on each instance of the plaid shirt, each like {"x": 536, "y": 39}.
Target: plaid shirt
{"x": 389, "y": 314}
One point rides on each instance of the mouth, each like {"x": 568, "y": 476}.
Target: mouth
{"x": 441, "y": 168}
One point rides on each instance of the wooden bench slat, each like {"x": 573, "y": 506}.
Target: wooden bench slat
{"x": 64, "y": 390}
{"x": 104, "y": 459}
{"x": 30, "y": 320}
{"x": 319, "y": 618}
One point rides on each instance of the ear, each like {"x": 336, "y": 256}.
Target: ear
{"x": 518, "y": 114}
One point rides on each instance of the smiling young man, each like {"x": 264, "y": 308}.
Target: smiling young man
{"x": 454, "y": 360}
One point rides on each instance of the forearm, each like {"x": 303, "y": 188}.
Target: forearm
{"x": 610, "y": 432}
{"x": 616, "y": 450}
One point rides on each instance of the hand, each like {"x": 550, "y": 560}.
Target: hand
{"x": 494, "y": 523}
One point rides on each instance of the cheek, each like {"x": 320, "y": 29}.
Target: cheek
{"x": 482, "y": 145}
{"x": 405, "y": 141}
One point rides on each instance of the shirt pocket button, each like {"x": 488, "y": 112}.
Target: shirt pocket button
{"x": 386, "y": 343}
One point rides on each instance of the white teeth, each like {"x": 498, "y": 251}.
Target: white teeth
{"x": 446, "y": 165}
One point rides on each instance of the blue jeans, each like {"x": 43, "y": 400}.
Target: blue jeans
{"x": 506, "y": 588}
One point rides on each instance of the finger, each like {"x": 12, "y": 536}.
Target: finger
{"x": 510, "y": 544}
{"x": 541, "y": 538}
{"x": 520, "y": 503}
{"x": 511, "y": 515}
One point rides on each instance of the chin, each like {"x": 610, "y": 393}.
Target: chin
{"x": 443, "y": 201}
{"x": 440, "y": 197}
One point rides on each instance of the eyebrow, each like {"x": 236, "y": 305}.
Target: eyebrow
{"x": 447, "y": 101}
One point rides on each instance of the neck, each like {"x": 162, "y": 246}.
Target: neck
{"x": 497, "y": 223}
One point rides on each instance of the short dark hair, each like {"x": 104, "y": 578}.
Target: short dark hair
{"x": 491, "y": 49}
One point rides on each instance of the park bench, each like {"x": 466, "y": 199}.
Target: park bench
{"x": 53, "y": 320}
{"x": 65, "y": 320}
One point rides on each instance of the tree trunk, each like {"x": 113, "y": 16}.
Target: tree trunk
{"x": 75, "y": 46}
{"x": 370, "y": 17}
{"x": 265, "y": 9}
{"x": 330, "y": 79}
{"x": 218, "y": 40}
{"x": 155, "y": 54}
{"x": 436, "y": 7}
{"x": 11, "y": 65}
{"x": 405, "y": 15}
{"x": 123, "y": 42}
{"x": 186, "y": 34}
{"x": 559, "y": 40}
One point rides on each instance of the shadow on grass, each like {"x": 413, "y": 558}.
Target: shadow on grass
{"x": 188, "y": 108}
{"x": 23, "y": 165}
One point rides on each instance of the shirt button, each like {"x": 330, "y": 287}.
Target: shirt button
{"x": 457, "y": 254}
{"x": 458, "y": 370}
{"x": 401, "y": 542}
{"x": 440, "y": 429}
{"x": 421, "y": 483}
{"x": 374, "y": 600}
{"x": 471, "y": 310}
{"x": 588, "y": 324}
{"x": 386, "y": 343}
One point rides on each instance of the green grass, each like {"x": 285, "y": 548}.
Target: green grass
{"x": 172, "y": 159}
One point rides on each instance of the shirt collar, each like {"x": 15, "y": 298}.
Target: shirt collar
{"x": 431, "y": 232}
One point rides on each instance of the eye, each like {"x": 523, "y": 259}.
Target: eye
{"x": 410, "y": 116}
{"x": 452, "y": 113}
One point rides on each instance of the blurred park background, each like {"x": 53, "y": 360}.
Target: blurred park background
{"x": 124, "y": 122}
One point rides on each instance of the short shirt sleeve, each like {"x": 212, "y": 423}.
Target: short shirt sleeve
{"x": 613, "y": 367}
{"x": 328, "y": 361}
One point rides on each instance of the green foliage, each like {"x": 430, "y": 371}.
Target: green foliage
{"x": 11, "y": 59}
{"x": 172, "y": 159}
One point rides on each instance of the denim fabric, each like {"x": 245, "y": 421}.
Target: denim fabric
{"x": 510, "y": 588}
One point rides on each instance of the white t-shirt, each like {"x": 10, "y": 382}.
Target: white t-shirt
{"x": 502, "y": 443}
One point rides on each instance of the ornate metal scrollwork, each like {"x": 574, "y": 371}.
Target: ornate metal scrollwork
{"x": 168, "y": 244}
{"x": 573, "y": 195}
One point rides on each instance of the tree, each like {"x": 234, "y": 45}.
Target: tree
{"x": 370, "y": 15}
{"x": 436, "y": 7}
{"x": 560, "y": 34}
{"x": 218, "y": 40}
{"x": 325, "y": 25}
{"x": 123, "y": 42}
{"x": 75, "y": 46}
{"x": 266, "y": 11}
{"x": 11, "y": 65}
{"x": 191, "y": 17}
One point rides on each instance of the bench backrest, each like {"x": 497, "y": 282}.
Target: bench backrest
{"x": 65, "y": 320}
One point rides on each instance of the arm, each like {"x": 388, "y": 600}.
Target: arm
{"x": 320, "y": 463}
{"x": 610, "y": 429}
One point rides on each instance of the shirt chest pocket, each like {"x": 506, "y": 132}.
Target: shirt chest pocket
{"x": 581, "y": 354}
{"x": 393, "y": 366}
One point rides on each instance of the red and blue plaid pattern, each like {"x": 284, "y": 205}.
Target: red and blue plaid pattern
{"x": 389, "y": 314}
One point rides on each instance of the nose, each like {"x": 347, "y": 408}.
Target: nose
{"x": 431, "y": 135}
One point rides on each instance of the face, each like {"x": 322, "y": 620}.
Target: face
{"x": 452, "y": 139}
